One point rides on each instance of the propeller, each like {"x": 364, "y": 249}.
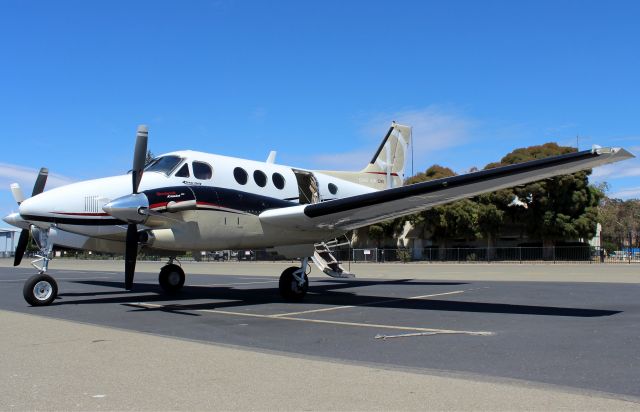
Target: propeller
{"x": 131, "y": 248}
{"x": 38, "y": 188}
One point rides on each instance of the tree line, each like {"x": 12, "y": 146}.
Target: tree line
{"x": 559, "y": 209}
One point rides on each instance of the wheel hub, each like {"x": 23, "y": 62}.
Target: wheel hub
{"x": 42, "y": 290}
{"x": 173, "y": 278}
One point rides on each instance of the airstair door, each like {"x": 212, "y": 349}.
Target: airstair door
{"x": 307, "y": 187}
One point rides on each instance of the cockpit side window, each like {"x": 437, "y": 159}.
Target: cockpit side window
{"x": 164, "y": 164}
{"x": 202, "y": 170}
{"x": 184, "y": 171}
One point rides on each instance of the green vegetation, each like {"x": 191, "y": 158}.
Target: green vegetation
{"x": 620, "y": 222}
{"x": 557, "y": 209}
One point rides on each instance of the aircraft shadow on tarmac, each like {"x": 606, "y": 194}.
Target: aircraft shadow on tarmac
{"x": 323, "y": 293}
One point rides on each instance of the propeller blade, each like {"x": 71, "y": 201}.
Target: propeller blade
{"x": 139, "y": 156}
{"x": 38, "y": 187}
{"x": 23, "y": 240}
{"x": 16, "y": 191}
{"x": 130, "y": 254}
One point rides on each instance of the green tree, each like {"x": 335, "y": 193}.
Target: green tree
{"x": 432, "y": 173}
{"x": 620, "y": 220}
{"x": 560, "y": 208}
{"x": 457, "y": 220}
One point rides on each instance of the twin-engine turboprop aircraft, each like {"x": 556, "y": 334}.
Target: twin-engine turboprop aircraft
{"x": 194, "y": 201}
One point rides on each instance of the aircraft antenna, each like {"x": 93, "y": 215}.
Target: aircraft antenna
{"x": 412, "y": 155}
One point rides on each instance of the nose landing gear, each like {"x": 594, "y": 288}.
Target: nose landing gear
{"x": 171, "y": 278}
{"x": 41, "y": 289}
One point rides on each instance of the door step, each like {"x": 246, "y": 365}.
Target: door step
{"x": 327, "y": 263}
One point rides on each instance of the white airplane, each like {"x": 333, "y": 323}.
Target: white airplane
{"x": 193, "y": 201}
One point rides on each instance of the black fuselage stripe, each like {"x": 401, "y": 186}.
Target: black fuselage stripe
{"x": 399, "y": 193}
{"x": 74, "y": 221}
{"x": 223, "y": 200}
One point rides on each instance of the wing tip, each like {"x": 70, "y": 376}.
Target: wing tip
{"x": 614, "y": 153}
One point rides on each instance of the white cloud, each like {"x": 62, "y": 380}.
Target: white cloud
{"x": 26, "y": 177}
{"x": 627, "y": 193}
{"x": 627, "y": 168}
{"x": 344, "y": 161}
{"x": 434, "y": 129}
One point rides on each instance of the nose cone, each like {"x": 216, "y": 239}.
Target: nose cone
{"x": 130, "y": 208}
{"x": 14, "y": 219}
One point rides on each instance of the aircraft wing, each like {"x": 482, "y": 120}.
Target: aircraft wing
{"x": 366, "y": 209}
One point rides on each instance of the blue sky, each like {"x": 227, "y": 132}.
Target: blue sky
{"x": 317, "y": 81}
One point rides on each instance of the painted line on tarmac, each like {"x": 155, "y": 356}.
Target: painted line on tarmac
{"x": 408, "y": 335}
{"x": 377, "y": 302}
{"x": 235, "y": 283}
{"x": 57, "y": 278}
{"x": 320, "y": 321}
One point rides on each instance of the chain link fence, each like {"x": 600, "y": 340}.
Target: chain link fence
{"x": 558, "y": 254}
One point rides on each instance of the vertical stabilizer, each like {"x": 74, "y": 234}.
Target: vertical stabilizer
{"x": 387, "y": 167}
{"x": 390, "y": 159}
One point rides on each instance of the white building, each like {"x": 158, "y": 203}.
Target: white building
{"x": 8, "y": 241}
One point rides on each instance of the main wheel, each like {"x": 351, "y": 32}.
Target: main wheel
{"x": 289, "y": 287}
{"x": 171, "y": 278}
{"x": 40, "y": 290}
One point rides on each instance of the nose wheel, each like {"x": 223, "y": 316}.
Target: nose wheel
{"x": 171, "y": 278}
{"x": 40, "y": 290}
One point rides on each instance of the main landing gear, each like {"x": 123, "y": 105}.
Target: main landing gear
{"x": 294, "y": 282}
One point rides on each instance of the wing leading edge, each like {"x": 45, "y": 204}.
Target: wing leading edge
{"x": 362, "y": 210}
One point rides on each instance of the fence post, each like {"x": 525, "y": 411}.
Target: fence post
{"x": 458, "y": 255}
{"x": 520, "y": 254}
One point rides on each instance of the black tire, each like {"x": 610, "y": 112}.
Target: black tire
{"x": 40, "y": 290}
{"x": 171, "y": 278}
{"x": 289, "y": 288}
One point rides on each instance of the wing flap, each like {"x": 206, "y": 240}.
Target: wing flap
{"x": 362, "y": 210}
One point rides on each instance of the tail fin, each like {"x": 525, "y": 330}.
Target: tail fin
{"x": 390, "y": 159}
{"x": 387, "y": 167}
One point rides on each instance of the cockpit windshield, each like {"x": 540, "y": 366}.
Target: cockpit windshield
{"x": 164, "y": 164}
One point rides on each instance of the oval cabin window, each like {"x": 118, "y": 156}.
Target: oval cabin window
{"x": 333, "y": 189}
{"x": 278, "y": 180}
{"x": 260, "y": 178}
{"x": 241, "y": 175}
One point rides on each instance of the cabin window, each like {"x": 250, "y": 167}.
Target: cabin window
{"x": 278, "y": 180}
{"x": 202, "y": 170}
{"x": 184, "y": 171}
{"x": 164, "y": 164}
{"x": 260, "y": 178}
{"x": 333, "y": 189}
{"x": 241, "y": 175}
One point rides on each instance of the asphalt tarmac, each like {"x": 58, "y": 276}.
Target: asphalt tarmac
{"x": 575, "y": 336}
